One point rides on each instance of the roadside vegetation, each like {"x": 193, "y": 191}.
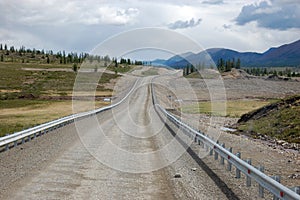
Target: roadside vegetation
{"x": 231, "y": 108}
{"x": 278, "y": 120}
{"x": 276, "y": 71}
{"x": 36, "y": 86}
{"x": 17, "y": 115}
{"x": 150, "y": 72}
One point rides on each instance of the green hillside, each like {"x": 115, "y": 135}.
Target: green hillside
{"x": 280, "y": 120}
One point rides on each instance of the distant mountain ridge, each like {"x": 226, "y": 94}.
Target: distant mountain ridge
{"x": 287, "y": 55}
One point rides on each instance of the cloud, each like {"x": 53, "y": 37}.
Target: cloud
{"x": 227, "y": 26}
{"x": 109, "y": 15}
{"x": 213, "y": 2}
{"x": 33, "y": 13}
{"x": 280, "y": 15}
{"x": 184, "y": 24}
{"x": 76, "y": 25}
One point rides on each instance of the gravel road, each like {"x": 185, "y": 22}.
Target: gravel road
{"x": 128, "y": 152}
{"x": 124, "y": 153}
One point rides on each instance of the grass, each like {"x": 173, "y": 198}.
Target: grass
{"x": 21, "y": 114}
{"x": 121, "y": 68}
{"x": 232, "y": 108}
{"x": 29, "y": 97}
{"x": 150, "y": 72}
{"x": 17, "y": 103}
{"x": 282, "y": 123}
{"x": 16, "y": 83}
{"x": 194, "y": 75}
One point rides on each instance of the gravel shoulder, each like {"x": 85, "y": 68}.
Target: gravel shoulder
{"x": 275, "y": 159}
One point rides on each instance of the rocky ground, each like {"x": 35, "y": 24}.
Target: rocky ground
{"x": 270, "y": 153}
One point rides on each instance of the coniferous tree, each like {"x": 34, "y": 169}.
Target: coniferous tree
{"x": 265, "y": 71}
{"x": 75, "y": 68}
{"x": 64, "y": 57}
{"x": 238, "y": 64}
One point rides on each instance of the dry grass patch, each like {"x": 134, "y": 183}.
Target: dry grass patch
{"x": 31, "y": 113}
{"x": 230, "y": 108}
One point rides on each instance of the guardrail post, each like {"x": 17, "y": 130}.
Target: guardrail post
{"x": 222, "y": 158}
{"x": 229, "y": 163}
{"x": 216, "y": 154}
{"x": 15, "y": 143}
{"x": 29, "y": 138}
{"x": 6, "y": 147}
{"x": 296, "y": 189}
{"x": 248, "y": 179}
{"x": 34, "y": 135}
{"x": 211, "y": 151}
{"x": 276, "y": 178}
{"x": 199, "y": 141}
{"x": 237, "y": 171}
{"x": 261, "y": 188}
{"x": 23, "y": 140}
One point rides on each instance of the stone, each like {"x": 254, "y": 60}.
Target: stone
{"x": 177, "y": 175}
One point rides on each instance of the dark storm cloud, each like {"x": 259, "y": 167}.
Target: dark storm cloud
{"x": 280, "y": 15}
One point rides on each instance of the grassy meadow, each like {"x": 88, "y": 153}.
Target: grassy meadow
{"x": 34, "y": 93}
{"x": 230, "y": 108}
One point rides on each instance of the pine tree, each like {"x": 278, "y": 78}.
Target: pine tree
{"x": 75, "y": 68}
{"x": 238, "y": 64}
{"x": 265, "y": 71}
{"x": 64, "y": 57}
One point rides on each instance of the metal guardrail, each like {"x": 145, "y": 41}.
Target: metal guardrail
{"x": 21, "y": 136}
{"x": 278, "y": 190}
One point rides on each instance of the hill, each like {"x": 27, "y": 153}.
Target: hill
{"x": 278, "y": 120}
{"x": 287, "y": 55}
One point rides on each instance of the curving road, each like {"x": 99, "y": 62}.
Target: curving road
{"x": 124, "y": 153}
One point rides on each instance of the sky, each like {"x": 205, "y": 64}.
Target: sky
{"x": 79, "y": 26}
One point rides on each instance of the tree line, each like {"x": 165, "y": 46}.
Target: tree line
{"x": 227, "y": 65}
{"x": 27, "y": 55}
{"x": 270, "y": 71}
{"x": 189, "y": 69}
{"x": 222, "y": 66}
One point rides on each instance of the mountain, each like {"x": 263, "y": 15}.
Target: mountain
{"x": 283, "y": 56}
